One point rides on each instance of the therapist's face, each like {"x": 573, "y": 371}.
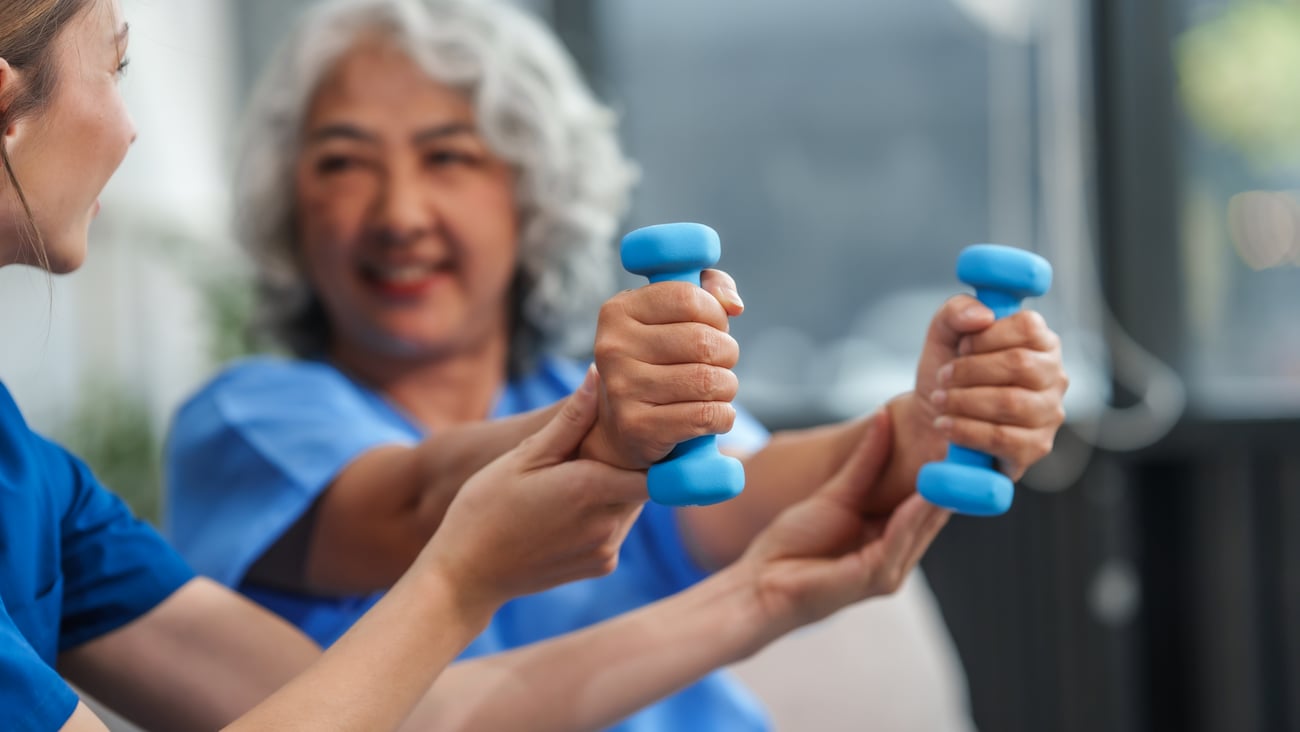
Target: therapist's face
{"x": 64, "y": 154}
{"x": 406, "y": 219}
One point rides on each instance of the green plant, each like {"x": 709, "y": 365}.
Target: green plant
{"x": 111, "y": 431}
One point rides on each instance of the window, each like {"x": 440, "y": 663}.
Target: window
{"x": 846, "y": 152}
{"x": 1239, "y": 154}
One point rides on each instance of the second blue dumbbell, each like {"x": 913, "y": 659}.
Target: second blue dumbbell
{"x": 966, "y": 482}
{"x": 694, "y": 473}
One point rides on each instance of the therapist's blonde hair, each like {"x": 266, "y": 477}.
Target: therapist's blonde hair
{"x": 535, "y": 112}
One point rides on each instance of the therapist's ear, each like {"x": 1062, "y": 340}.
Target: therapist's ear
{"x": 8, "y": 92}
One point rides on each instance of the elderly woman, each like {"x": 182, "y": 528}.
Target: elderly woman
{"x": 429, "y": 192}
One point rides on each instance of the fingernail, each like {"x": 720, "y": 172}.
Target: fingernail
{"x": 973, "y": 312}
{"x": 732, "y": 297}
{"x": 943, "y": 424}
{"x": 939, "y": 397}
{"x": 945, "y": 374}
{"x": 589, "y": 381}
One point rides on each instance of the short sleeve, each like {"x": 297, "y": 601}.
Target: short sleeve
{"x": 32, "y": 695}
{"x": 115, "y": 567}
{"x": 250, "y": 453}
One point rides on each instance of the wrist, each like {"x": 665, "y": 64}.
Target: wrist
{"x": 452, "y": 599}
{"x": 750, "y": 618}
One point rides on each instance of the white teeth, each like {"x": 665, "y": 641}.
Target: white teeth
{"x": 406, "y": 274}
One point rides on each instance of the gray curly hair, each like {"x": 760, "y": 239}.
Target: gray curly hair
{"x": 534, "y": 111}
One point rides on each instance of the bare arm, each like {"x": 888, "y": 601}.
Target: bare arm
{"x": 361, "y": 538}
{"x": 209, "y": 655}
{"x": 206, "y": 656}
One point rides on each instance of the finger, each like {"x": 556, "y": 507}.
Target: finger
{"x": 673, "y": 302}
{"x": 676, "y": 423}
{"x": 1025, "y": 329}
{"x": 934, "y": 520}
{"x": 603, "y": 484}
{"x": 675, "y": 383}
{"x": 1008, "y": 405}
{"x": 672, "y": 343}
{"x": 911, "y": 527}
{"x": 628, "y": 519}
{"x": 723, "y": 288}
{"x": 959, "y": 316}
{"x": 560, "y": 437}
{"x": 1018, "y": 447}
{"x": 1031, "y": 369}
{"x": 854, "y": 481}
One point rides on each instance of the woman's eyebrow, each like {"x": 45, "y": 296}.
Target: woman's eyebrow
{"x": 447, "y": 130}
{"x": 343, "y": 130}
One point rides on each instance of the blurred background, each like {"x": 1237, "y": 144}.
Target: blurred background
{"x": 1148, "y": 575}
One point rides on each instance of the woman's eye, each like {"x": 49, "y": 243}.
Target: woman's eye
{"x": 121, "y": 67}
{"x": 335, "y": 164}
{"x": 440, "y": 158}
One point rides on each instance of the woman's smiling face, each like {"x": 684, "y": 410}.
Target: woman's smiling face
{"x": 406, "y": 220}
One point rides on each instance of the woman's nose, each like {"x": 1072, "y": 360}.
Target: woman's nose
{"x": 406, "y": 212}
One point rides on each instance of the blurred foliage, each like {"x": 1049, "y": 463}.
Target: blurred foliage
{"x": 111, "y": 429}
{"x": 228, "y": 302}
{"x": 112, "y": 432}
{"x": 1239, "y": 77}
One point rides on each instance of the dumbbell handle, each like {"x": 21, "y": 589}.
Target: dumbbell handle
{"x": 694, "y": 473}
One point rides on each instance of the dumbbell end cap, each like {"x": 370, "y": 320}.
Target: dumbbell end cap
{"x": 670, "y": 248}
{"x": 965, "y": 489}
{"x": 696, "y": 482}
{"x": 1003, "y": 268}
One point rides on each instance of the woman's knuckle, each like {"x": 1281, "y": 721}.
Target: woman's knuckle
{"x": 1002, "y": 439}
{"x": 703, "y": 344}
{"x": 1009, "y": 404}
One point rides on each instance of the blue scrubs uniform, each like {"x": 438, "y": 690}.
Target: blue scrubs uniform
{"x": 74, "y": 565}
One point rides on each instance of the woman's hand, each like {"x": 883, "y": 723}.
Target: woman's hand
{"x": 990, "y": 385}
{"x": 830, "y": 550}
{"x": 665, "y": 361}
{"x": 536, "y": 517}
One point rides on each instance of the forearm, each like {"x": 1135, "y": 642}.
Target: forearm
{"x": 373, "y": 676}
{"x": 793, "y": 464}
{"x": 590, "y": 679}
{"x": 197, "y": 661}
{"x": 789, "y": 468}
{"x": 450, "y": 457}
{"x": 378, "y": 514}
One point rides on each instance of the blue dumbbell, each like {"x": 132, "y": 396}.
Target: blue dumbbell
{"x": 694, "y": 473}
{"x": 966, "y": 482}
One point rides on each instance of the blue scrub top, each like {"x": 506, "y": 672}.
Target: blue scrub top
{"x": 74, "y": 565}
{"x": 251, "y": 452}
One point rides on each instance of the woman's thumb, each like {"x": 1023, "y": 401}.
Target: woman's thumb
{"x": 566, "y": 430}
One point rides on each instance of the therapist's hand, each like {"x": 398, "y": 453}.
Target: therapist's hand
{"x": 536, "y": 517}
{"x": 665, "y": 360}
{"x": 831, "y": 549}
